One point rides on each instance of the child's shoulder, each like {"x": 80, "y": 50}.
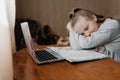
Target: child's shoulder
{"x": 111, "y": 23}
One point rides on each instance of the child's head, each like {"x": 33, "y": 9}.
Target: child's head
{"x": 84, "y": 21}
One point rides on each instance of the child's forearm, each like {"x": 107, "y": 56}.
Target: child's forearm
{"x": 82, "y": 42}
{"x": 73, "y": 40}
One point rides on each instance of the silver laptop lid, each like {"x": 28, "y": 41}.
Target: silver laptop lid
{"x": 28, "y": 39}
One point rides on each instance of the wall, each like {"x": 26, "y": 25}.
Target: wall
{"x": 55, "y": 12}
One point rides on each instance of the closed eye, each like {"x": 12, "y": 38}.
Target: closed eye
{"x": 82, "y": 33}
{"x": 86, "y": 28}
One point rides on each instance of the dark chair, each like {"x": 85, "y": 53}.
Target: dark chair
{"x": 50, "y": 37}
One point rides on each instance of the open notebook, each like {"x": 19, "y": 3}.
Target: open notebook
{"x": 78, "y": 55}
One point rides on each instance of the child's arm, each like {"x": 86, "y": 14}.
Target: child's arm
{"x": 73, "y": 35}
{"x": 74, "y": 41}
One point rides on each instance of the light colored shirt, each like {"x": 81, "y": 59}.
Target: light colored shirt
{"x": 107, "y": 35}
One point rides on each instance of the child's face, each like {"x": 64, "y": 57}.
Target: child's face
{"x": 85, "y": 27}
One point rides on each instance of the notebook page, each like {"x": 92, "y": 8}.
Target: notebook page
{"x": 78, "y": 55}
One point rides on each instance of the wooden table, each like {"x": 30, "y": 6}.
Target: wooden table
{"x": 26, "y": 69}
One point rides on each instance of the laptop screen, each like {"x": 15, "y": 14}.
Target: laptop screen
{"x": 27, "y": 37}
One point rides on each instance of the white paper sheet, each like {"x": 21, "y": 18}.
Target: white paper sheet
{"x": 78, "y": 55}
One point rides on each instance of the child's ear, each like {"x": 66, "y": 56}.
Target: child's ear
{"x": 94, "y": 18}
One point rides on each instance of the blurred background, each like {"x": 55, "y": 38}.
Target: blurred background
{"x": 55, "y": 13}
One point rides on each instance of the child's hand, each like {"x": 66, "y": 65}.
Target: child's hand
{"x": 69, "y": 27}
{"x": 100, "y": 49}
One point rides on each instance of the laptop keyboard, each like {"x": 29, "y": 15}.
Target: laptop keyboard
{"x": 43, "y": 55}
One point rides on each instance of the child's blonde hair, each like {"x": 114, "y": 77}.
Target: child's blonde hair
{"x": 85, "y": 13}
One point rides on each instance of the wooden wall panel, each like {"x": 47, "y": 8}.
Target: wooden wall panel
{"x": 55, "y": 12}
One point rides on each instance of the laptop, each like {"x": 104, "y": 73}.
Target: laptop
{"x": 41, "y": 56}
